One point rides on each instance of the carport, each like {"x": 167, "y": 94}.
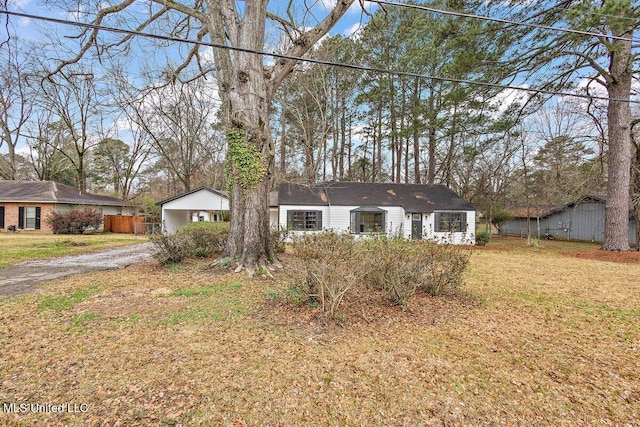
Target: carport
{"x": 177, "y": 210}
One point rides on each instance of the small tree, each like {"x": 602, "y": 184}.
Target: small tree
{"x": 500, "y": 217}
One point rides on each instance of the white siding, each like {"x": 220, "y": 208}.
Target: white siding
{"x": 466, "y": 237}
{"x": 202, "y": 200}
{"x": 176, "y": 212}
{"x": 273, "y": 217}
{"x": 398, "y": 222}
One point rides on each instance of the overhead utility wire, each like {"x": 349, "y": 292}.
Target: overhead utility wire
{"x": 501, "y": 20}
{"x": 310, "y": 60}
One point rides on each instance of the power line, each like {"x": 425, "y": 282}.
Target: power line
{"x": 503, "y": 21}
{"x": 312, "y": 60}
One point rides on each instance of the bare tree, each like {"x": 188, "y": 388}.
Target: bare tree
{"x": 72, "y": 99}
{"x": 46, "y": 142}
{"x": 120, "y": 164}
{"x": 16, "y": 103}
{"x": 178, "y": 119}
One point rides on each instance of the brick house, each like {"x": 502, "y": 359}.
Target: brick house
{"x": 25, "y": 205}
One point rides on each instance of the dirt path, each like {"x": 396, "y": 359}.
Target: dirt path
{"x": 23, "y": 278}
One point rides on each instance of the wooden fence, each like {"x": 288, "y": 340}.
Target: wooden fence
{"x": 121, "y": 223}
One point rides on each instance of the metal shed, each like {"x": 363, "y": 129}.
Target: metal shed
{"x": 579, "y": 220}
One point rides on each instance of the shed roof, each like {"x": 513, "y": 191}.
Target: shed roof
{"x": 412, "y": 197}
{"x": 52, "y": 192}
{"x": 545, "y": 211}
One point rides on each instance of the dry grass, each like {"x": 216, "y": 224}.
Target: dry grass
{"x": 534, "y": 339}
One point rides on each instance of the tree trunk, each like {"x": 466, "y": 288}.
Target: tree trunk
{"x": 431, "y": 172}
{"x": 616, "y": 232}
{"x": 250, "y": 151}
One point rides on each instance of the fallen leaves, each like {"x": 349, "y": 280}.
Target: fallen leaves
{"x": 533, "y": 339}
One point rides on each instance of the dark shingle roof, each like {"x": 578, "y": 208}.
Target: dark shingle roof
{"x": 412, "y": 197}
{"x": 52, "y": 192}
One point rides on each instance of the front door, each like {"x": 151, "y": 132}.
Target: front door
{"x": 416, "y": 226}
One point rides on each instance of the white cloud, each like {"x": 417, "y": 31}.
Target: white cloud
{"x": 356, "y": 7}
{"x": 353, "y": 30}
{"x": 503, "y": 100}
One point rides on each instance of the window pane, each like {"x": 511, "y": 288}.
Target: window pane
{"x": 30, "y": 217}
{"x": 371, "y": 222}
{"x": 304, "y": 220}
{"x": 450, "y": 221}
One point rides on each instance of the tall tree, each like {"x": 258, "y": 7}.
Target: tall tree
{"x": 557, "y": 59}
{"x": 117, "y": 164}
{"x": 424, "y": 120}
{"x": 47, "y": 141}
{"x": 564, "y": 160}
{"x": 71, "y": 97}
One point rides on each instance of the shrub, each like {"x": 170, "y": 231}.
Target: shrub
{"x": 203, "y": 239}
{"x": 171, "y": 248}
{"x": 326, "y": 266}
{"x": 75, "y": 221}
{"x": 482, "y": 238}
{"x": 279, "y": 238}
{"x": 196, "y": 239}
{"x": 394, "y": 266}
{"x": 444, "y": 266}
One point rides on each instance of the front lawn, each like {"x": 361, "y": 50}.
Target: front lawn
{"x": 19, "y": 247}
{"x": 536, "y": 337}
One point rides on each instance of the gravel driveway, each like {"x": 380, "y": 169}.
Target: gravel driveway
{"x": 23, "y": 278}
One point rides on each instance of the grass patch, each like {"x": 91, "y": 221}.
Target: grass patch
{"x": 216, "y": 302}
{"x": 81, "y": 319}
{"x": 20, "y": 247}
{"x": 66, "y": 302}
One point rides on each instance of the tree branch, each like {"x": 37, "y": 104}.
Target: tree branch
{"x": 306, "y": 40}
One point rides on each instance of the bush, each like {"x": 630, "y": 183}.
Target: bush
{"x": 325, "y": 268}
{"x": 203, "y": 239}
{"x": 75, "y": 221}
{"x": 444, "y": 266}
{"x": 196, "y": 239}
{"x": 279, "y": 239}
{"x": 394, "y": 266}
{"x": 482, "y": 238}
{"x": 171, "y": 248}
{"x": 400, "y": 267}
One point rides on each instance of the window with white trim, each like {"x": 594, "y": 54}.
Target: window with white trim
{"x": 29, "y": 217}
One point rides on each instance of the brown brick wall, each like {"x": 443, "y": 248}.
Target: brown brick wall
{"x": 11, "y": 215}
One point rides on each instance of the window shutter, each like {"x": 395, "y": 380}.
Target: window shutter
{"x": 21, "y": 217}
{"x": 38, "y": 211}
{"x": 1, "y": 216}
{"x": 464, "y": 221}
{"x": 437, "y": 221}
{"x": 289, "y": 220}
{"x": 319, "y": 220}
